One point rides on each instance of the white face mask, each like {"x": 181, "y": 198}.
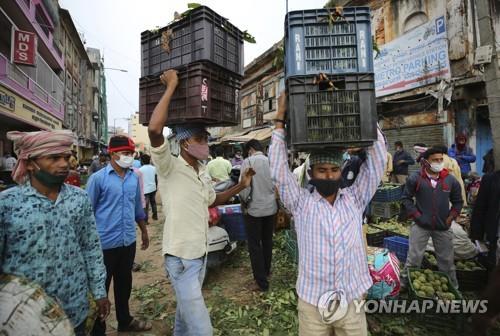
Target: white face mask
{"x": 437, "y": 167}
{"x": 125, "y": 161}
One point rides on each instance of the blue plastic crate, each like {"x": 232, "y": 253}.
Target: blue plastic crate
{"x": 314, "y": 44}
{"x": 233, "y": 222}
{"x": 398, "y": 245}
{"x": 388, "y": 195}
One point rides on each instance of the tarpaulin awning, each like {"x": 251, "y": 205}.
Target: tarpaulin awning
{"x": 260, "y": 134}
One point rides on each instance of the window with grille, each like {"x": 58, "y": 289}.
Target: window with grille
{"x": 5, "y": 37}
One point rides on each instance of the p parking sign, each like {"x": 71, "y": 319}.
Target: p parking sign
{"x": 440, "y": 25}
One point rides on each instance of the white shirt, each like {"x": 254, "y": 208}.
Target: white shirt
{"x": 148, "y": 174}
{"x": 186, "y": 196}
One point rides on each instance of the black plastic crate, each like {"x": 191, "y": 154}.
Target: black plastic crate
{"x": 203, "y": 35}
{"x": 315, "y": 43}
{"x": 205, "y": 93}
{"x": 376, "y": 238}
{"x": 340, "y": 117}
{"x": 472, "y": 280}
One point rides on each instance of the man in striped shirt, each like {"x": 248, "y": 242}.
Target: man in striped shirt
{"x": 333, "y": 270}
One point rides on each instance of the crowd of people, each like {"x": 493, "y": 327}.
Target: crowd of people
{"x": 74, "y": 242}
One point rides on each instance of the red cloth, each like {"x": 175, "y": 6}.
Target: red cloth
{"x": 73, "y": 179}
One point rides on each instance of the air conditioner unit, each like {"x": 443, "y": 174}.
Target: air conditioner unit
{"x": 483, "y": 55}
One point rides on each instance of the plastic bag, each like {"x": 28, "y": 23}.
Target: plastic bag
{"x": 214, "y": 217}
{"x": 385, "y": 273}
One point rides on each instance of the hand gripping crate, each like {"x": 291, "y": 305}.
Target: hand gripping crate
{"x": 320, "y": 40}
{"x": 202, "y": 35}
{"x": 339, "y": 117}
{"x": 205, "y": 93}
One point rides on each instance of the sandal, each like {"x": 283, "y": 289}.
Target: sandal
{"x": 137, "y": 325}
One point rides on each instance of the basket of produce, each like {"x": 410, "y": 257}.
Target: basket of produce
{"x": 428, "y": 284}
{"x": 471, "y": 275}
{"x": 398, "y": 245}
{"x": 384, "y": 209}
{"x": 375, "y": 236}
{"x": 432, "y": 285}
{"x": 388, "y": 192}
{"x": 394, "y": 228}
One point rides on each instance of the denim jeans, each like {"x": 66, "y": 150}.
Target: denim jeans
{"x": 186, "y": 276}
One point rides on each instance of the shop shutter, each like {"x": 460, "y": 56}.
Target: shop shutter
{"x": 429, "y": 135}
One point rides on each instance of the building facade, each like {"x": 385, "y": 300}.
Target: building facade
{"x": 139, "y": 134}
{"x": 98, "y": 80}
{"x": 429, "y": 84}
{"x": 31, "y": 68}
{"x": 80, "y": 86}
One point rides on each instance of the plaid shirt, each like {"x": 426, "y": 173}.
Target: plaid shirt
{"x": 332, "y": 255}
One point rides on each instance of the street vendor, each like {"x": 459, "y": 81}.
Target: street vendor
{"x": 47, "y": 229}
{"x": 433, "y": 189}
{"x": 328, "y": 219}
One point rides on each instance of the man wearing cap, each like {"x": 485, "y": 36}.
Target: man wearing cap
{"x": 187, "y": 193}
{"x": 47, "y": 228}
{"x": 115, "y": 195}
{"x": 332, "y": 259}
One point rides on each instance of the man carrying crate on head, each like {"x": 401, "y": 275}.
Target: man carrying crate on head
{"x": 333, "y": 271}
{"x": 433, "y": 189}
{"x": 186, "y": 193}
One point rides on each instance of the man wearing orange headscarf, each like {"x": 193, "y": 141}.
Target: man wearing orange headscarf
{"x": 47, "y": 228}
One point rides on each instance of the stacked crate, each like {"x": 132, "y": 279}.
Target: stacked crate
{"x": 340, "y": 46}
{"x": 207, "y": 52}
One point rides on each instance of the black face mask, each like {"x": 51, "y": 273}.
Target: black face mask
{"x": 47, "y": 179}
{"x": 326, "y": 187}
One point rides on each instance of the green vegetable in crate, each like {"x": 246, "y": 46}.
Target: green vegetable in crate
{"x": 372, "y": 229}
{"x": 421, "y": 293}
{"x": 468, "y": 266}
{"x": 394, "y": 226}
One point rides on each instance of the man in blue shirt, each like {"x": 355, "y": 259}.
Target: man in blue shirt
{"x": 47, "y": 229}
{"x": 463, "y": 154}
{"x": 150, "y": 183}
{"x": 115, "y": 195}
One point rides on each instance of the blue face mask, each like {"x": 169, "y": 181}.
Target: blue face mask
{"x": 346, "y": 156}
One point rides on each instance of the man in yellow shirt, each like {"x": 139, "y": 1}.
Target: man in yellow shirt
{"x": 186, "y": 193}
{"x": 219, "y": 169}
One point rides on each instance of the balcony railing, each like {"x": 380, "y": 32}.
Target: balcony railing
{"x": 42, "y": 86}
